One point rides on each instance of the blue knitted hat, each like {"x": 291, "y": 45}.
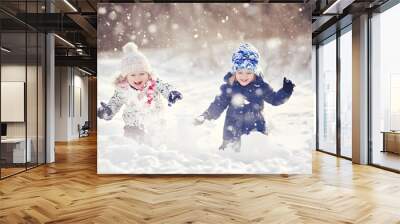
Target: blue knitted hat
{"x": 246, "y": 57}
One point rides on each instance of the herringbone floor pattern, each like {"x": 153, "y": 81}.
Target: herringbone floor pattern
{"x": 70, "y": 191}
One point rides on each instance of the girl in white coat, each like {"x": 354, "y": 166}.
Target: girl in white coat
{"x": 140, "y": 91}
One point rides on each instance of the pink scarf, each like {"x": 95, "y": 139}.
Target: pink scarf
{"x": 150, "y": 91}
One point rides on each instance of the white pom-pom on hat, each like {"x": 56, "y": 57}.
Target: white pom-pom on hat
{"x": 134, "y": 61}
{"x": 130, "y": 47}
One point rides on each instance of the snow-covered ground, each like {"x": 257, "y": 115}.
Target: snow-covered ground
{"x": 180, "y": 147}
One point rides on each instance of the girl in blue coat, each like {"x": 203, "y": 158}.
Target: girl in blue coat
{"x": 244, "y": 93}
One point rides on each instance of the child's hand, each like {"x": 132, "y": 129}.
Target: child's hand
{"x": 199, "y": 120}
{"x": 104, "y": 111}
{"x": 288, "y": 85}
{"x": 173, "y": 97}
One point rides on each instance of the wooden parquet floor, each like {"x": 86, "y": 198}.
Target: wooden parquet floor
{"x": 70, "y": 191}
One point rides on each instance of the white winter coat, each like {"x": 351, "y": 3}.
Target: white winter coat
{"x": 138, "y": 112}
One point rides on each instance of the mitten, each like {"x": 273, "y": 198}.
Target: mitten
{"x": 288, "y": 85}
{"x": 173, "y": 97}
{"x": 104, "y": 111}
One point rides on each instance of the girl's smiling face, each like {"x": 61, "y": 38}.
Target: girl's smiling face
{"x": 138, "y": 81}
{"x": 244, "y": 77}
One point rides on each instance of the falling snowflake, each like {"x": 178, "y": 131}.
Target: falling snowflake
{"x": 175, "y": 26}
{"x": 249, "y": 116}
{"x": 119, "y": 29}
{"x": 118, "y": 8}
{"x": 112, "y": 15}
{"x": 152, "y": 28}
{"x": 303, "y": 48}
{"x": 238, "y": 100}
{"x": 102, "y": 10}
{"x": 259, "y": 92}
{"x": 274, "y": 43}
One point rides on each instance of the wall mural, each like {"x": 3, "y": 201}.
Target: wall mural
{"x": 204, "y": 88}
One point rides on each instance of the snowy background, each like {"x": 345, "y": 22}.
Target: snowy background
{"x": 190, "y": 46}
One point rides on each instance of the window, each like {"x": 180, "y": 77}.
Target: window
{"x": 346, "y": 94}
{"x": 385, "y": 89}
{"x": 394, "y": 101}
{"x": 327, "y": 96}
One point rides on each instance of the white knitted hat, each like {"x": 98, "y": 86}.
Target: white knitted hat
{"x": 133, "y": 60}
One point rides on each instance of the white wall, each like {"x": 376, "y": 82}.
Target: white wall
{"x": 62, "y": 81}
{"x": 70, "y": 83}
{"x": 15, "y": 73}
{"x": 79, "y": 117}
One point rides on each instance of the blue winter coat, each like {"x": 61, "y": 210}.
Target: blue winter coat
{"x": 245, "y": 105}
